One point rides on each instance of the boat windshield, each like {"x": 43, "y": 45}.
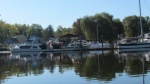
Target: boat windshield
{"x": 25, "y": 47}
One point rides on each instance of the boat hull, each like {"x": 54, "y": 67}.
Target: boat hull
{"x": 26, "y": 47}
{"x": 134, "y": 45}
{"x": 25, "y": 50}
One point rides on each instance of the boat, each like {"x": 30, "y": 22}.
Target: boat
{"x": 78, "y": 44}
{"x": 134, "y": 42}
{"x": 25, "y": 47}
{"x": 97, "y": 45}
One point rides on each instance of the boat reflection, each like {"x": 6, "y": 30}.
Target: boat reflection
{"x": 25, "y": 58}
{"x": 133, "y": 50}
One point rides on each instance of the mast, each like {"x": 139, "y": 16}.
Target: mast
{"x": 140, "y": 20}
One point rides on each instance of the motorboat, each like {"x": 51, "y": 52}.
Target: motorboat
{"x": 97, "y": 45}
{"x": 25, "y": 47}
{"x": 78, "y": 44}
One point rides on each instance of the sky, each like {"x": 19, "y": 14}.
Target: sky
{"x": 65, "y": 12}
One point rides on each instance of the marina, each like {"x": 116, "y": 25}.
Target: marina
{"x": 52, "y": 42}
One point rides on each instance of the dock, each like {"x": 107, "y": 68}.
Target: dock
{"x": 63, "y": 50}
{"x": 75, "y": 49}
{"x": 5, "y": 52}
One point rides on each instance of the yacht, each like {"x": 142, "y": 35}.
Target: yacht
{"x": 131, "y": 43}
{"x": 135, "y": 42}
{"x": 25, "y": 47}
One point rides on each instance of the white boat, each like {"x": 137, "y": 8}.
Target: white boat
{"x": 133, "y": 43}
{"x": 136, "y": 42}
{"x": 97, "y": 45}
{"x": 25, "y": 47}
{"x": 78, "y": 44}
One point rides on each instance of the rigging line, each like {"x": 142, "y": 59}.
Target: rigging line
{"x": 147, "y": 5}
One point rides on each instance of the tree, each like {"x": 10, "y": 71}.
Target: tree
{"x": 148, "y": 24}
{"x": 88, "y": 27}
{"x": 22, "y": 28}
{"x": 35, "y": 29}
{"x": 77, "y": 28}
{"x": 2, "y": 33}
{"x": 7, "y": 30}
{"x": 59, "y": 32}
{"x": 48, "y": 32}
{"x": 62, "y": 31}
{"x": 118, "y": 28}
{"x": 132, "y": 25}
{"x": 105, "y": 25}
{"x": 101, "y": 24}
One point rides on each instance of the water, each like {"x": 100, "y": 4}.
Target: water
{"x": 88, "y": 67}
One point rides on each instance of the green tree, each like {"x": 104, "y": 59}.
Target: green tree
{"x": 146, "y": 24}
{"x": 62, "y": 31}
{"x": 118, "y": 29}
{"x": 77, "y": 28}
{"x": 35, "y": 29}
{"x": 7, "y": 30}
{"x": 132, "y": 25}
{"x": 105, "y": 25}
{"x": 2, "y": 33}
{"x": 101, "y": 24}
{"x": 67, "y": 31}
{"x": 59, "y": 31}
{"x": 88, "y": 27}
{"x": 22, "y": 28}
{"x": 48, "y": 32}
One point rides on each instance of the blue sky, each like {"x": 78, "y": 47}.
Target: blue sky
{"x": 65, "y": 12}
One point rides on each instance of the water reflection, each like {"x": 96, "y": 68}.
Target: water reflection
{"x": 92, "y": 65}
{"x": 134, "y": 62}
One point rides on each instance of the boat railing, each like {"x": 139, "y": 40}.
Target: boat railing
{"x": 13, "y": 46}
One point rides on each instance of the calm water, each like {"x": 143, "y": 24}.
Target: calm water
{"x": 91, "y": 67}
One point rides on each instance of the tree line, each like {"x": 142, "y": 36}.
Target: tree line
{"x": 99, "y": 27}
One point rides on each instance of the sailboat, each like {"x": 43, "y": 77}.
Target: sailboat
{"x": 135, "y": 42}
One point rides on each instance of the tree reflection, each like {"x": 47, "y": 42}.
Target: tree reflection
{"x": 134, "y": 65}
{"x": 102, "y": 66}
{"x": 3, "y": 68}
